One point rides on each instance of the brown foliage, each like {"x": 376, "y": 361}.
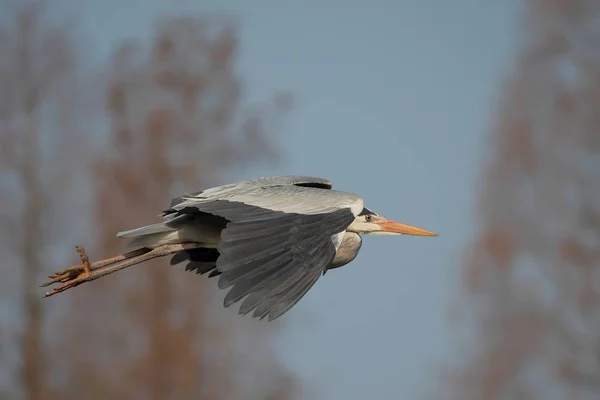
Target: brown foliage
{"x": 35, "y": 62}
{"x": 533, "y": 275}
{"x": 176, "y": 123}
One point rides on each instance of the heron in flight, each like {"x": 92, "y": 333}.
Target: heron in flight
{"x": 268, "y": 240}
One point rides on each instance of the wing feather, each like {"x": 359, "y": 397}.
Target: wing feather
{"x": 252, "y": 269}
{"x": 255, "y": 283}
{"x": 274, "y": 297}
{"x": 291, "y": 290}
{"x": 280, "y": 263}
{"x": 286, "y": 303}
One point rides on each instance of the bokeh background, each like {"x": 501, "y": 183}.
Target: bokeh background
{"x": 477, "y": 120}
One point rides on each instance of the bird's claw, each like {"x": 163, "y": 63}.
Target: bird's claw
{"x": 72, "y": 276}
{"x": 68, "y": 284}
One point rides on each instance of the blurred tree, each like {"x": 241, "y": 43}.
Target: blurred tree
{"x": 532, "y": 279}
{"x": 176, "y": 123}
{"x": 36, "y": 102}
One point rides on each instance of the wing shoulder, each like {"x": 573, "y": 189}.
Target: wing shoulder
{"x": 224, "y": 191}
{"x": 273, "y": 199}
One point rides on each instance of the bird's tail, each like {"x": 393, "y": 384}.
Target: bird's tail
{"x": 150, "y": 236}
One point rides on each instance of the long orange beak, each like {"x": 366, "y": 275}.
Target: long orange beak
{"x": 396, "y": 227}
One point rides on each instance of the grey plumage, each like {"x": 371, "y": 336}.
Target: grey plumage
{"x": 274, "y": 241}
{"x": 347, "y": 251}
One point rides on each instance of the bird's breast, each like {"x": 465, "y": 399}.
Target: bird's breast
{"x": 347, "y": 250}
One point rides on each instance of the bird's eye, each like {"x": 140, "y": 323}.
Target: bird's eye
{"x": 368, "y": 217}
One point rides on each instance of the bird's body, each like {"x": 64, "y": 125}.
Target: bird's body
{"x": 269, "y": 239}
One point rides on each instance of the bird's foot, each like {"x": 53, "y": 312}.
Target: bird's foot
{"x": 72, "y": 276}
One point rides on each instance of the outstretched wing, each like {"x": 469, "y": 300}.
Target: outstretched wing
{"x": 277, "y": 243}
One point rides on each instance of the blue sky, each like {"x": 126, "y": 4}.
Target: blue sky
{"x": 392, "y": 101}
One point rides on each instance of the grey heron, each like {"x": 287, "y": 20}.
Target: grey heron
{"x": 268, "y": 240}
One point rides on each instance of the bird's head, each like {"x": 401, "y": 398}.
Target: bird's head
{"x": 369, "y": 222}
